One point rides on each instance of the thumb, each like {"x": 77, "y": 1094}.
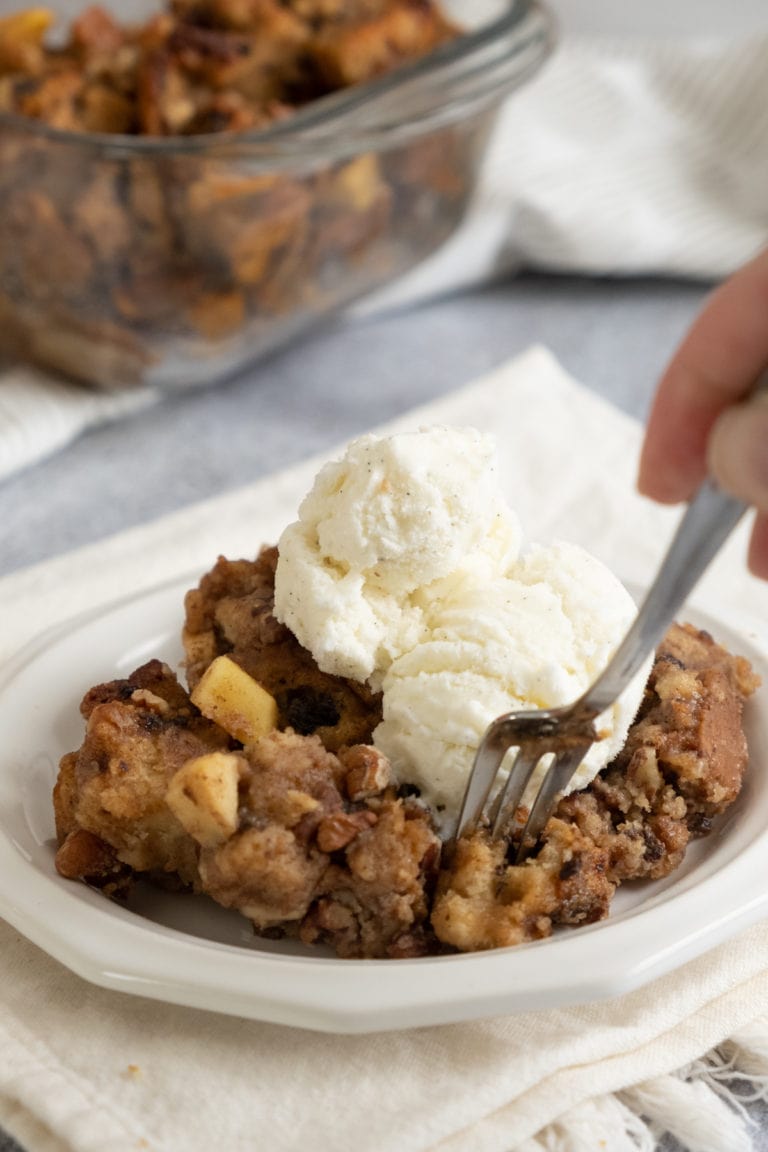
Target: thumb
{"x": 738, "y": 451}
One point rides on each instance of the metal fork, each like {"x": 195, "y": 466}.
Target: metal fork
{"x": 567, "y": 733}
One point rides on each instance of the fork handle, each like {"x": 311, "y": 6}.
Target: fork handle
{"x": 707, "y": 522}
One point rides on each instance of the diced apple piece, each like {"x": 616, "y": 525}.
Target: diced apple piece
{"x": 203, "y": 797}
{"x": 235, "y": 701}
{"x": 29, "y": 25}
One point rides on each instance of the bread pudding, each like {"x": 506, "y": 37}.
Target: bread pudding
{"x": 203, "y": 66}
{"x": 260, "y": 788}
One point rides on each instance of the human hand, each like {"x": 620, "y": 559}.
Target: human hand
{"x": 701, "y": 419}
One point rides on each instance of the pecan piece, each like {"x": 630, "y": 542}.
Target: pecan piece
{"x": 368, "y": 771}
{"x": 340, "y": 829}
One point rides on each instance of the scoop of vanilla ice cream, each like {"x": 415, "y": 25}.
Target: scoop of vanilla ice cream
{"x": 405, "y": 569}
{"x": 535, "y": 636}
{"x": 378, "y": 527}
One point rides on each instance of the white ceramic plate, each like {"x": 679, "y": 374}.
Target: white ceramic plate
{"x": 187, "y": 950}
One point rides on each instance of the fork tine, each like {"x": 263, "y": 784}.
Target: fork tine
{"x": 490, "y": 753}
{"x": 557, "y": 777}
{"x": 511, "y": 793}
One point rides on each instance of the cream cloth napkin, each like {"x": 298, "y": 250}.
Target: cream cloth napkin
{"x": 625, "y": 155}
{"x": 87, "y": 1070}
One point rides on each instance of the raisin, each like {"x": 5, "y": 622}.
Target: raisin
{"x": 306, "y": 709}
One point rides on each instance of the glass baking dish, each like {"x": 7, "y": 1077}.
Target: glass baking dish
{"x": 179, "y": 261}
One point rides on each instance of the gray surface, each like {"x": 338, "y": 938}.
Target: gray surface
{"x": 613, "y": 336}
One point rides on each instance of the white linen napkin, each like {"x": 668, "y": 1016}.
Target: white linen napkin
{"x": 625, "y": 155}
{"x": 40, "y": 414}
{"x": 83, "y": 1069}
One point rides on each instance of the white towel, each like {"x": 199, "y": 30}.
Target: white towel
{"x": 87, "y": 1070}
